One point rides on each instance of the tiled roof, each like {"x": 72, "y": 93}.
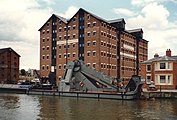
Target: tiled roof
{"x": 158, "y": 59}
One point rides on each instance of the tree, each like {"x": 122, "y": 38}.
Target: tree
{"x": 23, "y": 72}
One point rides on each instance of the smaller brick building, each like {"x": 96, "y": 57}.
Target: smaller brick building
{"x": 161, "y": 70}
{"x": 9, "y": 66}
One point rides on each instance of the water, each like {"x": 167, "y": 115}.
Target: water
{"x": 29, "y": 107}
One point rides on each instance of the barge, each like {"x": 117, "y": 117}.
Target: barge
{"x": 14, "y": 88}
{"x": 82, "y": 81}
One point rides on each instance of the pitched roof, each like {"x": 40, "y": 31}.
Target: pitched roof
{"x": 135, "y": 30}
{"x": 158, "y": 59}
{"x": 8, "y": 49}
{"x": 116, "y": 20}
{"x": 59, "y": 17}
{"x": 97, "y": 17}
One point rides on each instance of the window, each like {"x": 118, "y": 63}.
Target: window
{"x": 59, "y": 29}
{"x": 162, "y": 79}
{"x": 94, "y": 33}
{"x": 104, "y": 53}
{"x": 68, "y": 55}
{"x": 81, "y": 18}
{"x": 69, "y": 27}
{"x": 68, "y": 36}
{"x": 43, "y": 67}
{"x": 88, "y": 43}
{"x": 94, "y": 43}
{"x": 47, "y": 47}
{"x": 43, "y": 32}
{"x": 43, "y": 57}
{"x": 148, "y": 79}
{"x": 64, "y": 28}
{"x": 88, "y": 34}
{"x": 169, "y": 65}
{"x": 88, "y": 53}
{"x": 74, "y": 45}
{"x": 74, "y": 35}
{"x": 64, "y": 66}
{"x": 94, "y": 65}
{"x": 43, "y": 39}
{"x": 94, "y": 53}
{"x": 148, "y": 67}
{"x": 104, "y": 44}
{"x": 59, "y": 46}
{"x": 47, "y": 24}
{"x": 47, "y": 67}
{"x": 43, "y": 48}
{"x": 162, "y": 66}
{"x": 88, "y": 25}
{"x": 74, "y": 54}
{"x": 47, "y": 56}
{"x": 69, "y": 46}
{"x": 59, "y": 66}
{"x": 59, "y": 56}
{"x": 81, "y": 27}
{"x": 88, "y": 17}
{"x": 88, "y": 64}
{"x": 94, "y": 24}
{"x": 81, "y": 36}
{"x": 169, "y": 79}
{"x": 74, "y": 27}
{"x": 47, "y": 31}
{"x": 64, "y": 55}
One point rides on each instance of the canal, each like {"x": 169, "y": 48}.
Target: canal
{"x": 34, "y": 107}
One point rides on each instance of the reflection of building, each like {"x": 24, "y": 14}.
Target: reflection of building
{"x": 9, "y": 65}
{"x": 161, "y": 70}
{"x": 102, "y": 44}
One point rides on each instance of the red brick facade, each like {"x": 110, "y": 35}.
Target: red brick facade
{"x": 161, "y": 70}
{"x": 103, "y": 45}
{"x": 9, "y": 66}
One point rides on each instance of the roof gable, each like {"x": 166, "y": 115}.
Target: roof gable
{"x": 53, "y": 15}
{"x": 8, "y": 49}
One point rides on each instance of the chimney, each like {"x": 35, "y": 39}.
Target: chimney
{"x": 168, "y": 53}
{"x": 156, "y": 55}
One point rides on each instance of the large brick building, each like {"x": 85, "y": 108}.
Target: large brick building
{"x": 161, "y": 70}
{"x": 103, "y": 44}
{"x": 9, "y": 66}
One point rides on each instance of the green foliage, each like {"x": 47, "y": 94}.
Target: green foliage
{"x": 23, "y": 72}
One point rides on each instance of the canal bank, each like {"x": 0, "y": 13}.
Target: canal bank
{"x": 160, "y": 93}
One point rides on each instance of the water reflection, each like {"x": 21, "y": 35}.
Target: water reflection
{"x": 92, "y": 109}
{"x": 20, "y": 107}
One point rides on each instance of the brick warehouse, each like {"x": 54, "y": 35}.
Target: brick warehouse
{"x": 101, "y": 44}
{"x": 9, "y": 66}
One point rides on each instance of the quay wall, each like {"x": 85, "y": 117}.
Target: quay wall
{"x": 160, "y": 94}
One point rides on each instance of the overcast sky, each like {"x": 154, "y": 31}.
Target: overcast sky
{"x": 21, "y": 19}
